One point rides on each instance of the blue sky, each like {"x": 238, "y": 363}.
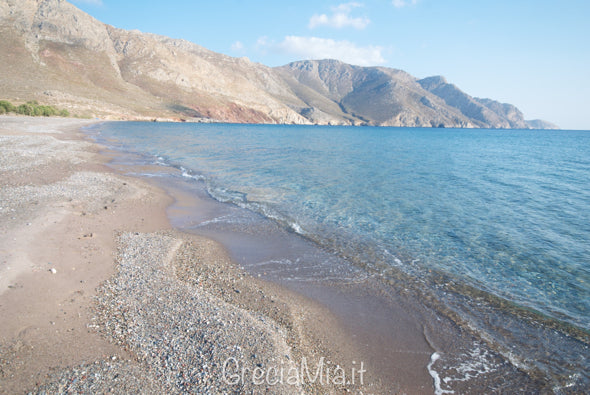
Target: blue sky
{"x": 533, "y": 54}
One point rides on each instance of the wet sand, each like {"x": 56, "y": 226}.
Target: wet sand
{"x": 99, "y": 293}
{"x": 386, "y": 330}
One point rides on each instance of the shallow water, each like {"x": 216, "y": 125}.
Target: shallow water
{"x": 475, "y": 217}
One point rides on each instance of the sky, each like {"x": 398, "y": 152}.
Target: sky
{"x": 534, "y": 54}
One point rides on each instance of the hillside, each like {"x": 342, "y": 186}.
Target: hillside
{"x": 56, "y": 54}
{"x": 368, "y": 95}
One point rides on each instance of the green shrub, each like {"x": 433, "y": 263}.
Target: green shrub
{"x": 32, "y": 108}
{"x": 48, "y": 111}
{"x": 7, "y": 106}
{"x": 24, "y": 109}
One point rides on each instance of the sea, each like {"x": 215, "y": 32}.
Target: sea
{"x": 490, "y": 227}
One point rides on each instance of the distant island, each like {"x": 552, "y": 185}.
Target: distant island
{"x": 55, "y": 54}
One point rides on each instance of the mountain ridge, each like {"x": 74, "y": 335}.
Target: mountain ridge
{"x": 56, "y": 53}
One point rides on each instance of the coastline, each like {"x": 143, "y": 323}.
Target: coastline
{"x": 117, "y": 275}
{"x": 97, "y": 284}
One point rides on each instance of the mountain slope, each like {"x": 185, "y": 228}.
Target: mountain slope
{"x": 55, "y": 53}
{"x": 489, "y": 112}
{"x": 368, "y": 95}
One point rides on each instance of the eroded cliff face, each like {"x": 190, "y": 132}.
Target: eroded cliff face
{"x": 57, "y": 54}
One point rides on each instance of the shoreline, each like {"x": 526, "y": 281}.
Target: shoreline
{"x": 381, "y": 326}
{"x": 68, "y": 216}
{"x": 109, "y": 281}
{"x": 469, "y": 353}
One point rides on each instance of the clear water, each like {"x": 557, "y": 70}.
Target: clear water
{"x": 506, "y": 212}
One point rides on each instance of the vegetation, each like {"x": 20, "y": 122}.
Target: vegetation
{"x": 31, "y": 108}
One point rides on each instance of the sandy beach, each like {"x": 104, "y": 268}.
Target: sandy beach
{"x": 99, "y": 294}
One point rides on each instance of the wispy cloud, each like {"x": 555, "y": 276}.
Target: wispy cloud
{"x": 340, "y": 18}
{"x": 403, "y": 3}
{"x": 323, "y": 48}
{"x": 93, "y": 2}
{"x": 237, "y": 46}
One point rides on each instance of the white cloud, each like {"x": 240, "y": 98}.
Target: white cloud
{"x": 323, "y": 48}
{"x": 403, "y": 3}
{"x": 340, "y": 18}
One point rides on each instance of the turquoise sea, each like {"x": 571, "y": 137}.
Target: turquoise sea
{"x": 497, "y": 216}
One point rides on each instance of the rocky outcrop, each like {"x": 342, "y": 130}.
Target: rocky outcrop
{"x": 57, "y": 54}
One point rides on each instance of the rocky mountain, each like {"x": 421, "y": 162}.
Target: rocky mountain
{"x": 367, "y": 95}
{"x": 486, "y": 111}
{"x": 54, "y": 53}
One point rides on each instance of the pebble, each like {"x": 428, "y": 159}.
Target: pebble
{"x": 180, "y": 334}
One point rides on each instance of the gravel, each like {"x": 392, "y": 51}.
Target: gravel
{"x": 181, "y": 309}
{"x": 19, "y": 153}
{"x": 182, "y": 335}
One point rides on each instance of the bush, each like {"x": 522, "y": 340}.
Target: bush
{"x": 47, "y": 111}
{"x": 7, "y": 106}
{"x": 25, "y": 109}
{"x": 32, "y": 108}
